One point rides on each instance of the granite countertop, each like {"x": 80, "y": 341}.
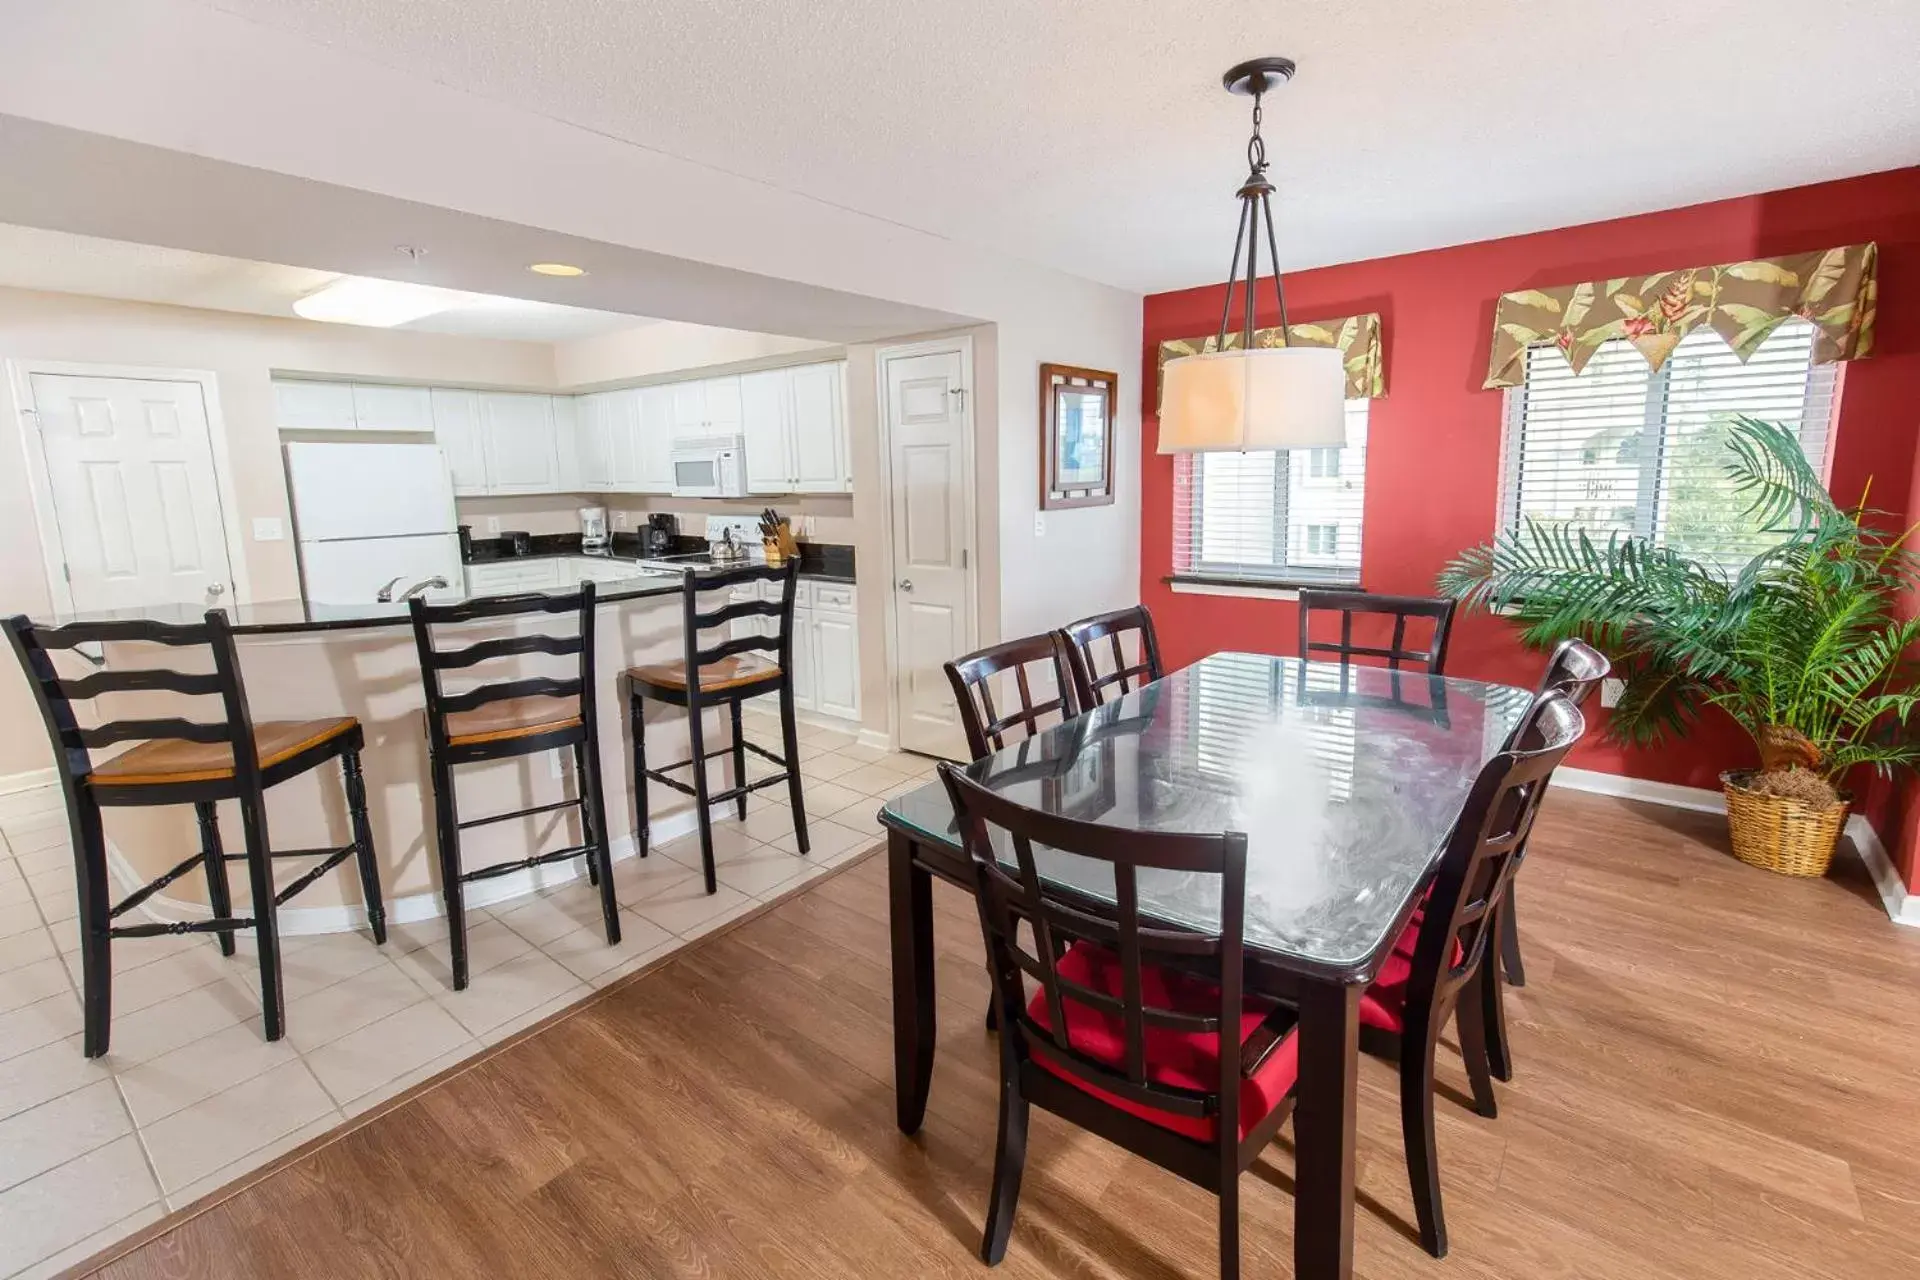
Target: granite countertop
{"x": 819, "y": 561}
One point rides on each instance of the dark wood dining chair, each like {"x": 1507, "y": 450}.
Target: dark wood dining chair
{"x": 1576, "y": 670}
{"x": 1436, "y": 612}
{"x": 182, "y": 761}
{"x": 1123, "y": 1035}
{"x": 972, "y": 678}
{"x": 1082, "y": 642}
{"x": 1440, "y": 966}
{"x": 723, "y": 675}
{"x": 505, "y": 718}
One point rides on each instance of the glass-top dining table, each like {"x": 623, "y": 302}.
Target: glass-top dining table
{"x": 1346, "y": 781}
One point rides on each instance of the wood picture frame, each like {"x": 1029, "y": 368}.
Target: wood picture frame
{"x": 1076, "y": 436}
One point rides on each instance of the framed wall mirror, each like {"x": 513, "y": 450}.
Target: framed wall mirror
{"x": 1076, "y": 438}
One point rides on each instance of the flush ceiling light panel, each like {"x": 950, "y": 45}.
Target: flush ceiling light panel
{"x": 379, "y": 304}
{"x": 556, "y": 269}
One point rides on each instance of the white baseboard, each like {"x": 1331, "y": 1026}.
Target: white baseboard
{"x": 878, "y": 739}
{"x": 413, "y": 907}
{"x": 1902, "y": 907}
{"x": 31, "y": 780}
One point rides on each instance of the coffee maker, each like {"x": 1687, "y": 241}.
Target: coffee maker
{"x": 593, "y": 528}
{"x": 657, "y": 538}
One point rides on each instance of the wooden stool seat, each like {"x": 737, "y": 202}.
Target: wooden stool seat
{"x": 167, "y": 760}
{"x": 512, "y": 718}
{"x": 732, "y": 672}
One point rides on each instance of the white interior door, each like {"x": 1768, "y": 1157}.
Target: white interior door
{"x": 931, "y": 499}
{"x": 134, "y": 492}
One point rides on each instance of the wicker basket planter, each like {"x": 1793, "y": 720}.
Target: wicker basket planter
{"x": 1780, "y": 834}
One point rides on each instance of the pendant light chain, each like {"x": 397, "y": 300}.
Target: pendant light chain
{"x": 1255, "y": 201}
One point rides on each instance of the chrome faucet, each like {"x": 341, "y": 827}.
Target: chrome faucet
{"x": 385, "y": 594}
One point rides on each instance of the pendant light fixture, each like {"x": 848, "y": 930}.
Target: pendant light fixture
{"x": 1283, "y": 397}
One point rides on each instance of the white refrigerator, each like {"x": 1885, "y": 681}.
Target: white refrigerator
{"x": 373, "y": 516}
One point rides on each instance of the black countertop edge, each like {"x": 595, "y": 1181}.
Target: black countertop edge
{"x": 821, "y": 561}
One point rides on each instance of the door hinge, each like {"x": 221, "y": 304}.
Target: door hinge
{"x": 66, "y": 572}
{"x": 963, "y": 557}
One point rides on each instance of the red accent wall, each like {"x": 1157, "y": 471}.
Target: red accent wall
{"x": 1433, "y": 453}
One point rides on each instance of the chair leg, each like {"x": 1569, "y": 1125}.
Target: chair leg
{"x": 1416, "y": 1131}
{"x": 96, "y": 944}
{"x": 356, "y": 788}
{"x": 446, "y": 839}
{"x": 1469, "y": 1020}
{"x": 1510, "y": 942}
{"x": 696, "y": 735}
{"x": 641, "y": 819}
{"x": 594, "y": 815}
{"x": 266, "y": 928}
{"x": 1230, "y": 1226}
{"x": 790, "y": 748}
{"x": 739, "y": 761}
{"x": 219, "y": 895}
{"x": 1009, "y": 1162}
{"x": 587, "y": 825}
{"x": 1490, "y": 992}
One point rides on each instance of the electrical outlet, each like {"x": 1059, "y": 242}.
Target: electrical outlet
{"x": 267, "y": 529}
{"x": 622, "y": 521}
{"x": 493, "y": 526}
{"x": 1611, "y": 690}
{"x": 1039, "y": 524}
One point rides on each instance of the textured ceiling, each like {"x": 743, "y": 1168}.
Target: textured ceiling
{"x": 1092, "y": 135}
{"x": 58, "y": 262}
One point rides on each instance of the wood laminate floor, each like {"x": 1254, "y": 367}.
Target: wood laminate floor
{"x": 1718, "y": 1077}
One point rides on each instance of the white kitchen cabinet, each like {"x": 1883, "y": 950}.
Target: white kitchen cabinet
{"x": 377, "y": 408}
{"x": 313, "y": 406}
{"x": 594, "y": 441}
{"x": 565, "y": 411}
{"x": 766, "y": 426}
{"x": 817, "y": 419}
{"x": 706, "y": 407}
{"x": 456, "y": 429}
{"x": 505, "y": 577}
{"x": 836, "y": 664}
{"x": 652, "y": 418}
{"x": 517, "y": 429}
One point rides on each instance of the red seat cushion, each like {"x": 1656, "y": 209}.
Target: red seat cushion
{"x": 1182, "y": 1059}
{"x": 1384, "y": 1004}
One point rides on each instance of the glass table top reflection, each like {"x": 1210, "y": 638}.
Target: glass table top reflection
{"x": 1345, "y": 779}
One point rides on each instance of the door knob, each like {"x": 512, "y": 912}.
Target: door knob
{"x": 217, "y": 589}
{"x": 906, "y": 584}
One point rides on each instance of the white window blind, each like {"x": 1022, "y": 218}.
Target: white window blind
{"x": 1267, "y": 515}
{"x": 1621, "y": 448}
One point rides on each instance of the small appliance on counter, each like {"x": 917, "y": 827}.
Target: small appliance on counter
{"x": 516, "y": 542}
{"x": 593, "y": 528}
{"x": 657, "y": 538}
{"x": 729, "y": 537}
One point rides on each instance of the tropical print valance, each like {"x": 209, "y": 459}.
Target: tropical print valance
{"x": 1357, "y": 337}
{"x": 1741, "y": 301}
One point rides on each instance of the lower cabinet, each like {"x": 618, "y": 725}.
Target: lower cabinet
{"x": 826, "y": 645}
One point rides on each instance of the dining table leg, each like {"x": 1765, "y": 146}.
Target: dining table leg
{"x": 910, "y": 918}
{"x": 1323, "y": 1127}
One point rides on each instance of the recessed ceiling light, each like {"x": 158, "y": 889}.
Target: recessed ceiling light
{"x": 380, "y": 304}
{"x": 556, "y": 269}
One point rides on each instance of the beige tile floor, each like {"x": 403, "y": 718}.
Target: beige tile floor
{"x": 191, "y": 1097}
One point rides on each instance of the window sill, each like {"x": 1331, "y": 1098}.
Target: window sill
{"x": 1245, "y": 588}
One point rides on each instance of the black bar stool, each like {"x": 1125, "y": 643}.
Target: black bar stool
{"x": 729, "y": 673}
{"x": 512, "y": 718}
{"x": 180, "y": 761}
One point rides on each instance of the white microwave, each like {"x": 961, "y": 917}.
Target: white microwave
{"x": 708, "y": 468}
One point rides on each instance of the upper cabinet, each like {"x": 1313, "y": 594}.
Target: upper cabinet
{"x": 522, "y": 455}
{"x": 350, "y": 406}
{"x": 456, "y": 429}
{"x": 794, "y": 425}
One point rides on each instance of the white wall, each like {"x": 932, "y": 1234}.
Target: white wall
{"x": 667, "y": 346}
{"x": 209, "y": 87}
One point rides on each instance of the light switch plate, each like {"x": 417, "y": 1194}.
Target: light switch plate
{"x": 1039, "y": 524}
{"x": 267, "y": 529}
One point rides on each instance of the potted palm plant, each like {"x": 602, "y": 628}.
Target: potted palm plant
{"x": 1801, "y": 645}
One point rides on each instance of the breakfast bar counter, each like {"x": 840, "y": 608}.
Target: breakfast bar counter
{"x": 307, "y": 661}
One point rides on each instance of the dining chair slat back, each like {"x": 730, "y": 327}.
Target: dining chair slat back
{"x": 1123, "y": 675}
{"x": 1434, "y": 610}
{"x": 972, "y": 678}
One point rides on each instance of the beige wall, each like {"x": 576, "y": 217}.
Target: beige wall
{"x": 666, "y": 347}
{"x": 241, "y": 352}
